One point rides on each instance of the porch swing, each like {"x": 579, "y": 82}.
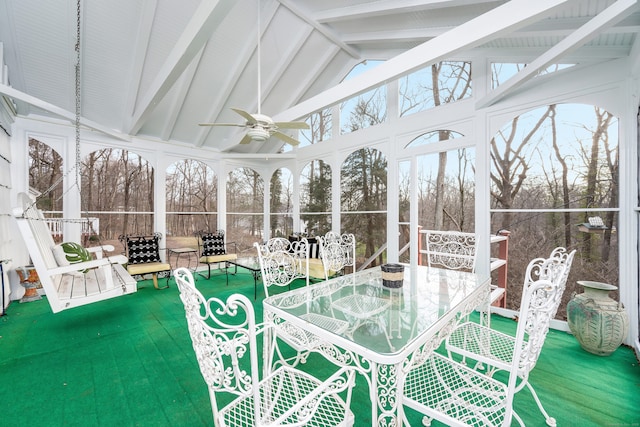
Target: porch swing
{"x": 71, "y": 275}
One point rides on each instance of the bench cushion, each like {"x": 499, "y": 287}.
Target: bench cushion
{"x": 211, "y": 259}
{"x": 148, "y": 267}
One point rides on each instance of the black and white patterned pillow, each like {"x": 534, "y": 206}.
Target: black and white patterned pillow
{"x": 141, "y": 250}
{"x": 213, "y": 244}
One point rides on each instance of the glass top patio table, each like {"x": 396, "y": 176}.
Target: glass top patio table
{"x": 387, "y": 326}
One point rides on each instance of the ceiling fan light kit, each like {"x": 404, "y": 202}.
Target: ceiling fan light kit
{"x": 258, "y": 134}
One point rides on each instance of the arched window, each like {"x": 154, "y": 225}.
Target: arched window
{"x": 245, "y": 197}
{"x": 281, "y": 203}
{"x": 315, "y": 198}
{"x": 192, "y": 198}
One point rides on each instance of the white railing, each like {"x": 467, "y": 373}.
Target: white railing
{"x": 90, "y": 225}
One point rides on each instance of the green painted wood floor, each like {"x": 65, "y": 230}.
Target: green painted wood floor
{"x": 129, "y": 362}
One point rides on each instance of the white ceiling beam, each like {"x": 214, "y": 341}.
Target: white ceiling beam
{"x": 415, "y": 34}
{"x": 179, "y": 96}
{"x": 323, "y": 29}
{"x": 606, "y": 18}
{"x": 386, "y": 7}
{"x": 205, "y": 19}
{"x": 496, "y": 22}
{"x": 61, "y": 112}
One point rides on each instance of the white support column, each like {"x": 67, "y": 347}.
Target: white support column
{"x": 295, "y": 199}
{"x": 266, "y": 205}
{"x": 222, "y": 177}
{"x": 160, "y": 201}
{"x": 629, "y": 234}
{"x": 336, "y": 193}
{"x": 393, "y": 210}
{"x": 414, "y": 214}
{"x": 482, "y": 134}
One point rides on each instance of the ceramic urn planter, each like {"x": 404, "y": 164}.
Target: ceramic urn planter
{"x": 598, "y": 322}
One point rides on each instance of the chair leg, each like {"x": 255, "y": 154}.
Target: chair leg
{"x": 551, "y": 422}
{"x": 208, "y": 276}
{"x": 154, "y": 277}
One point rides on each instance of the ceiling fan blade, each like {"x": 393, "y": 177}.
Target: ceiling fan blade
{"x": 221, "y": 124}
{"x": 250, "y": 119}
{"x": 246, "y": 139}
{"x": 286, "y": 138}
{"x": 292, "y": 125}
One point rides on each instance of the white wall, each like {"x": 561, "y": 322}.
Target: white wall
{"x": 5, "y": 218}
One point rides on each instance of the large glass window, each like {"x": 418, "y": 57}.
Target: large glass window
{"x": 245, "y": 202}
{"x": 281, "y": 203}
{"x": 364, "y": 202}
{"x": 554, "y": 182}
{"x": 437, "y": 84}
{"x": 365, "y": 110}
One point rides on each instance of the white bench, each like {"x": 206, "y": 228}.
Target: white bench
{"x": 73, "y": 285}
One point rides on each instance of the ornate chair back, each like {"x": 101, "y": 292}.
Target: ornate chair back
{"x": 450, "y": 249}
{"x": 282, "y": 262}
{"x": 224, "y": 341}
{"x": 337, "y": 251}
{"x": 554, "y": 270}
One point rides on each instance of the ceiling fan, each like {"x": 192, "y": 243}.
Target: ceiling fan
{"x": 259, "y": 126}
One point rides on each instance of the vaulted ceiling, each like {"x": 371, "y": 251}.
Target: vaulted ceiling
{"x": 155, "y": 69}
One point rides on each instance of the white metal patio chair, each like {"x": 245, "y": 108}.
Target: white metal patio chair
{"x": 337, "y": 251}
{"x": 224, "y": 337}
{"x": 453, "y": 250}
{"x": 497, "y": 350}
{"x": 282, "y": 262}
{"x": 457, "y": 395}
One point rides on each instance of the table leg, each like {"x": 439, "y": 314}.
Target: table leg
{"x": 385, "y": 396}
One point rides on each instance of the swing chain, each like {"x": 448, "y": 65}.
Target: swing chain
{"x": 78, "y": 95}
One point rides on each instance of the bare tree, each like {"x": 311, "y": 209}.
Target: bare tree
{"x": 510, "y": 164}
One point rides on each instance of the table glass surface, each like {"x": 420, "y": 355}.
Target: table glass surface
{"x": 382, "y": 320}
{"x": 250, "y": 263}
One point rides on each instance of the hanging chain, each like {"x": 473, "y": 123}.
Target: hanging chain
{"x": 78, "y": 110}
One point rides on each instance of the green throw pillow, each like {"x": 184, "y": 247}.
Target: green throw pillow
{"x": 75, "y": 252}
